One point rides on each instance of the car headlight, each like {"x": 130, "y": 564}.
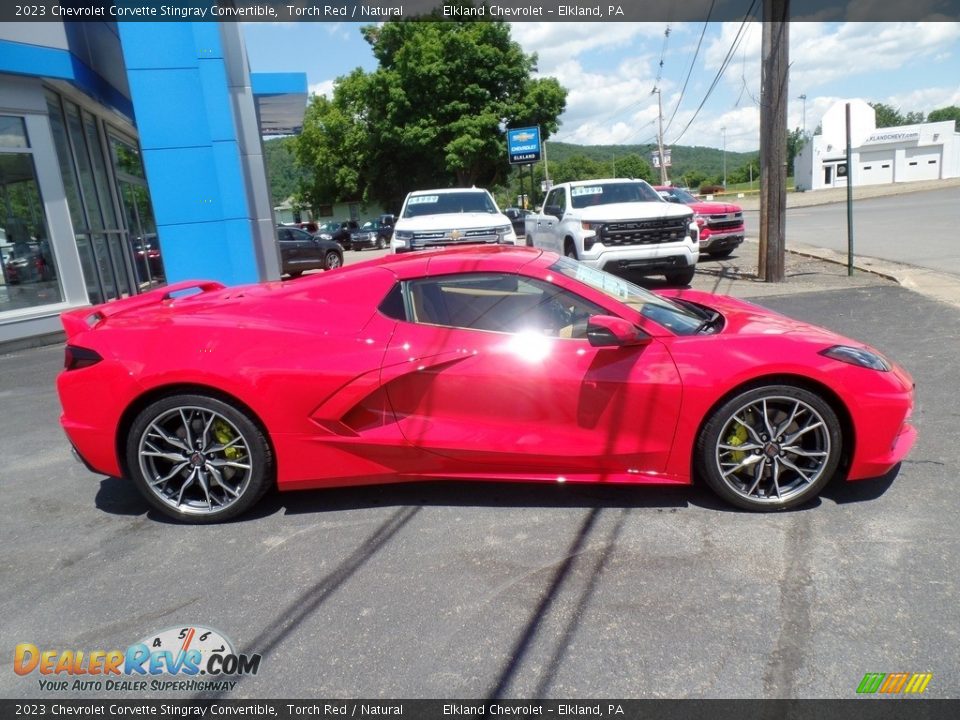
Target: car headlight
{"x": 505, "y": 233}
{"x": 861, "y": 357}
{"x": 402, "y": 237}
{"x": 593, "y": 225}
{"x": 326, "y": 236}
{"x": 700, "y": 220}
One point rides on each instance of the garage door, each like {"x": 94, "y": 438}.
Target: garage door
{"x": 920, "y": 164}
{"x": 876, "y": 168}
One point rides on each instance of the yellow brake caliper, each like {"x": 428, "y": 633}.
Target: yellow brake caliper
{"x": 223, "y": 434}
{"x": 737, "y": 438}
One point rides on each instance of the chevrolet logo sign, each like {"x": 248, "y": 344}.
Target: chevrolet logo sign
{"x": 523, "y": 136}
{"x": 456, "y": 235}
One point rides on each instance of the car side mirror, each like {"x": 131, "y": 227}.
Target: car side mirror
{"x": 553, "y": 210}
{"x": 610, "y": 331}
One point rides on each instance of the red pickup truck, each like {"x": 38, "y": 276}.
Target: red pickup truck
{"x": 721, "y": 224}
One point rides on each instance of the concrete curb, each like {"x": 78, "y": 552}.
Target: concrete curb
{"x": 930, "y": 283}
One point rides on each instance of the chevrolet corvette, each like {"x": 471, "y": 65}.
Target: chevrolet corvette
{"x": 483, "y": 363}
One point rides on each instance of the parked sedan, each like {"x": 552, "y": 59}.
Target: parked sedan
{"x": 300, "y": 251}
{"x": 476, "y": 363}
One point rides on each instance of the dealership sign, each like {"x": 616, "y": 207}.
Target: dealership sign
{"x": 523, "y": 145}
{"x": 890, "y": 137}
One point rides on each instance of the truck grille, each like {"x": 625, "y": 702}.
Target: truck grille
{"x": 644, "y": 232}
{"x": 431, "y": 238}
{"x": 725, "y": 221}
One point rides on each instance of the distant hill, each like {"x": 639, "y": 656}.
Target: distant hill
{"x": 685, "y": 158}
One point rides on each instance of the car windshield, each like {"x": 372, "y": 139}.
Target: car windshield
{"x": 678, "y": 195}
{"x": 446, "y": 203}
{"x": 370, "y": 225}
{"x": 607, "y": 193}
{"x": 329, "y": 227}
{"x": 671, "y": 315}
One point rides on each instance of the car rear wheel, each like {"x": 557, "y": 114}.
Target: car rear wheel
{"x": 332, "y": 260}
{"x": 381, "y": 243}
{"x": 198, "y": 459}
{"x": 770, "y": 448}
{"x": 684, "y": 277}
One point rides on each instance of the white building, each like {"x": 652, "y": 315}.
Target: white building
{"x": 929, "y": 151}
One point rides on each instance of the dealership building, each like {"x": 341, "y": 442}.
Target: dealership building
{"x": 908, "y": 153}
{"x": 130, "y": 156}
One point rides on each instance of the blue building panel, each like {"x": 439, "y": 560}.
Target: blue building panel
{"x": 229, "y": 170}
{"x": 184, "y": 186}
{"x": 158, "y": 45}
{"x": 278, "y": 83}
{"x": 216, "y": 99}
{"x": 23, "y": 59}
{"x": 169, "y": 108}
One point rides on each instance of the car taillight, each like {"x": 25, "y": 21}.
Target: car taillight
{"x": 75, "y": 357}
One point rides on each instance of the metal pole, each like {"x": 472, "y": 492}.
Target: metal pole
{"x": 546, "y": 168}
{"x": 849, "y": 198}
{"x": 804, "y": 98}
{"x": 663, "y": 165}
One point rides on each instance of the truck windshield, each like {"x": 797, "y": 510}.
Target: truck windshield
{"x": 444, "y": 203}
{"x": 607, "y": 193}
{"x": 673, "y": 316}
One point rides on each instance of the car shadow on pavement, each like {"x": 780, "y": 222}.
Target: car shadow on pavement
{"x": 117, "y": 496}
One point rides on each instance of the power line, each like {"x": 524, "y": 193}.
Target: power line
{"x": 692, "y": 63}
{"x": 723, "y": 66}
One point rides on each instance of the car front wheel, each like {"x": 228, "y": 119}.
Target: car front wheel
{"x": 684, "y": 277}
{"x": 770, "y": 448}
{"x": 332, "y": 260}
{"x": 198, "y": 459}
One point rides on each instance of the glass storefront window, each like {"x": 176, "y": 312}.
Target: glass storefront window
{"x": 29, "y": 272}
{"x": 13, "y": 132}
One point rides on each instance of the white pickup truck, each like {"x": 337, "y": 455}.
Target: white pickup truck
{"x": 617, "y": 225}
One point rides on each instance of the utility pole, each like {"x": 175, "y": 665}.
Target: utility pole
{"x": 663, "y": 159}
{"x": 723, "y": 130}
{"x": 775, "y": 55}
{"x": 804, "y": 98}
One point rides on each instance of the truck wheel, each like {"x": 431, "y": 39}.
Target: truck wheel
{"x": 684, "y": 277}
{"x": 569, "y": 249}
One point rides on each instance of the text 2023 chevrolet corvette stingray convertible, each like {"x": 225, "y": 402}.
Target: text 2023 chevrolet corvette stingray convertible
{"x": 498, "y": 363}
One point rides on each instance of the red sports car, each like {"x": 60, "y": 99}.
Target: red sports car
{"x": 490, "y": 363}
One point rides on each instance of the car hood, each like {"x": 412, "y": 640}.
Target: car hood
{"x": 632, "y": 211}
{"x": 745, "y": 318}
{"x": 715, "y": 208}
{"x": 452, "y": 221}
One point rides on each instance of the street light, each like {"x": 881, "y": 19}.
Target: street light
{"x": 804, "y": 98}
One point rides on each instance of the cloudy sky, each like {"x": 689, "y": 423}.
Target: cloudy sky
{"x": 610, "y": 70}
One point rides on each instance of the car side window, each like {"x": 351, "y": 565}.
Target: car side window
{"x": 284, "y": 235}
{"x": 558, "y": 198}
{"x": 499, "y": 302}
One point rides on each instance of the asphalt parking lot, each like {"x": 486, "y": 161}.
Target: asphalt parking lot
{"x": 493, "y": 590}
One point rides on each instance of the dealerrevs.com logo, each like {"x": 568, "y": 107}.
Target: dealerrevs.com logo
{"x": 179, "y": 658}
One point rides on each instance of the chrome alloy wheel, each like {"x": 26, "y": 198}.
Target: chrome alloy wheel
{"x": 773, "y": 449}
{"x": 195, "y": 460}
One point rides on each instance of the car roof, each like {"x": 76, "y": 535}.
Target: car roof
{"x": 473, "y": 258}
{"x": 444, "y": 191}
{"x": 602, "y": 180}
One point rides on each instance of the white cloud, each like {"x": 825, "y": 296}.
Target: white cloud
{"x": 558, "y": 42}
{"x": 322, "y": 88}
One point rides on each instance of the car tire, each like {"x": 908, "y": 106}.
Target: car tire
{"x": 332, "y": 260}
{"x": 569, "y": 249}
{"x": 770, "y": 448}
{"x": 198, "y": 459}
{"x": 295, "y": 273}
{"x": 684, "y": 277}
{"x": 720, "y": 254}
{"x": 381, "y": 243}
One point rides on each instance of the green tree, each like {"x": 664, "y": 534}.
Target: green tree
{"x": 947, "y": 113}
{"x": 889, "y": 116}
{"x": 796, "y": 139}
{"x": 433, "y": 114}
{"x": 634, "y": 166}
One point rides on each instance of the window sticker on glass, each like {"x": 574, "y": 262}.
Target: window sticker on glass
{"x": 586, "y": 190}
{"x": 423, "y": 199}
{"x": 603, "y": 281}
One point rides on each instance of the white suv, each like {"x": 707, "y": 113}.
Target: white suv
{"x": 618, "y": 224}
{"x": 452, "y": 216}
